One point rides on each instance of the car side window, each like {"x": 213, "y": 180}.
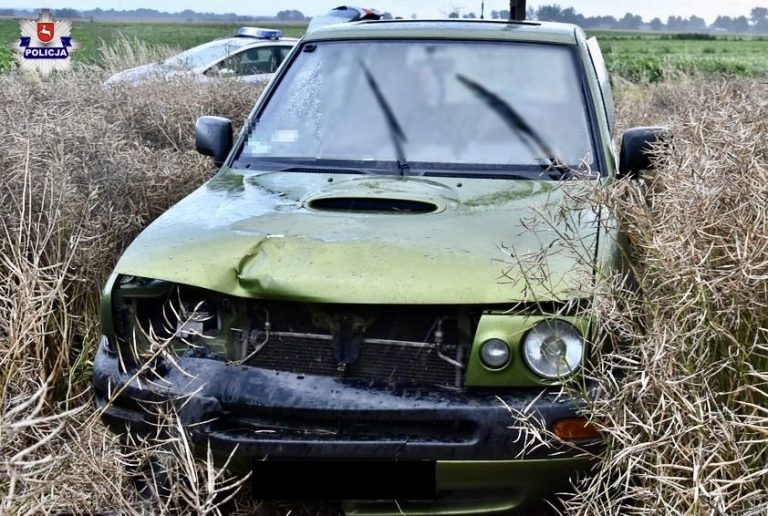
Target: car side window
{"x": 282, "y": 54}
{"x": 260, "y": 60}
{"x": 252, "y": 61}
{"x": 228, "y": 66}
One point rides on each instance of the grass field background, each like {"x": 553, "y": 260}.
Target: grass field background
{"x": 91, "y": 35}
{"x": 632, "y": 55}
{"x": 649, "y": 56}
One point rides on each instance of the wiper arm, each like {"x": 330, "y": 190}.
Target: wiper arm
{"x": 395, "y": 131}
{"x": 516, "y": 122}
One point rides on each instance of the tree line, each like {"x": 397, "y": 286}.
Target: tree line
{"x": 757, "y": 21}
{"x": 288, "y": 15}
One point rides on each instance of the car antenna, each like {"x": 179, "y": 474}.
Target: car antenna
{"x": 517, "y": 10}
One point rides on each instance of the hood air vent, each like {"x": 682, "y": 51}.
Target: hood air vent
{"x": 371, "y": 205}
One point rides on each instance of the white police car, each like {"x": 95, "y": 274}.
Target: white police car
{"x": 252, "y": 55}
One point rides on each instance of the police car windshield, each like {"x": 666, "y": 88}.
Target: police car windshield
{"x": 207, "y": 53}
{"x": 459, "y": 105}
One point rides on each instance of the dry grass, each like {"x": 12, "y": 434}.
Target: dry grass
{"x": 683, "y": 361}
{"x": 85, "y": 169}
{"x": 123, "y": 52}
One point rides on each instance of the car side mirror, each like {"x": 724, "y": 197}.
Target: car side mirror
{"x": 637, "y": 146}
{"x": 213, "y": 137}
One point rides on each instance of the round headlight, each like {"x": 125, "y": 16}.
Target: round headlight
{"x": 494, "y": 353}
{"x": 553, "y": 349}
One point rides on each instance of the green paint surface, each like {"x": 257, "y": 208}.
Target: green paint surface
{"x": 251, "y": 235}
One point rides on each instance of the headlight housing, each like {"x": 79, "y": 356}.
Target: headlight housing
{"x": 494, "y": 353}
{"x": 553, "y": 349}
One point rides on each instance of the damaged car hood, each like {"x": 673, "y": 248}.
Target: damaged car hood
{"x": 370, "y": 239}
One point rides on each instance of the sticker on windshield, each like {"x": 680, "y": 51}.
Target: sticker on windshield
{"x": 256, "y": 147}
{"x": 285, "y": 136}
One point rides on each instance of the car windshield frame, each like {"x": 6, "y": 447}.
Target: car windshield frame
{"x": 597, "y": 168}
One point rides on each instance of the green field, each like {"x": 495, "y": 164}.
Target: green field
{"x": 90, "y": 35}
{"x": 632, "y": 55}
{"x": 649, "y": 56}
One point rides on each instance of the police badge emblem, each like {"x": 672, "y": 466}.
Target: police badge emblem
{"x": 45, "y": 45}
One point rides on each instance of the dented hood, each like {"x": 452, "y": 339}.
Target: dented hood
{"x": 341, "y": 238}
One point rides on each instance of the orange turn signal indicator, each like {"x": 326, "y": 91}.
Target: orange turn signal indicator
{"x": 575, "y": 429}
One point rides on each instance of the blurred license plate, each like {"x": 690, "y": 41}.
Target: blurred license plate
{"x": 345, "y": 479}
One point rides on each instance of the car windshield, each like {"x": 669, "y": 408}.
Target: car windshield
{"x": 206, "y": 54}
{"x": 437, "y": 104}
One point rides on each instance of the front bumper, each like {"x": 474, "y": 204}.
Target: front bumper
{"x": 477, "y": 437}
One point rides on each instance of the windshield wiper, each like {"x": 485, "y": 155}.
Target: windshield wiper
{"x": 395, "y": 131}
{"x": 517, "y": 123}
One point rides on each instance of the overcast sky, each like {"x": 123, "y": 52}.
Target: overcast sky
{"x": 648, "y": 9}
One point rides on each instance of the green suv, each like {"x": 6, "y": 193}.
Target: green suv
{"x": 350, "y": 305}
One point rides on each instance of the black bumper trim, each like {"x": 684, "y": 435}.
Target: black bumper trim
{"x": 271, "y": 414}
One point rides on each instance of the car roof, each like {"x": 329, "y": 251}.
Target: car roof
{"x": 532, "y": 31}
{"x": 250, "y": 42}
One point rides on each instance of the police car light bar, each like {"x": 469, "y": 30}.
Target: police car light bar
{"x": 259, "y": 33}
